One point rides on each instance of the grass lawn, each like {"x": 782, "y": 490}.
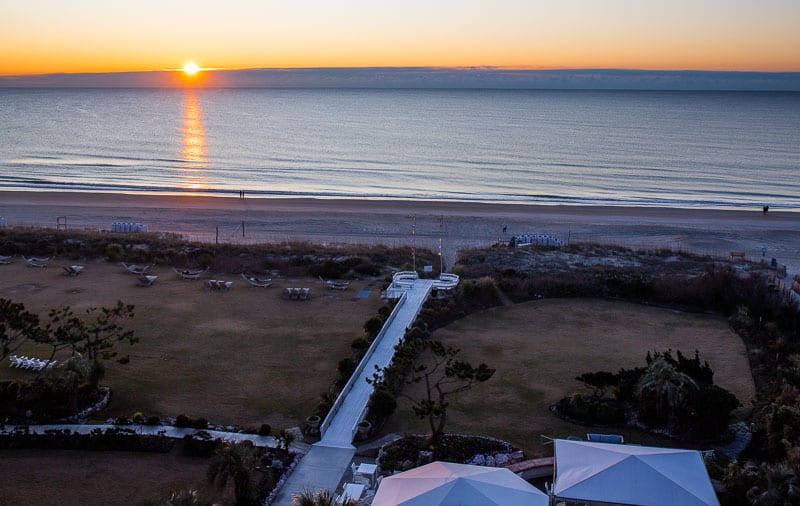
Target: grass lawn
{"x": 242, "y": 357}
{"x": 539, "y": 347}
{"x": 35, "y": 477}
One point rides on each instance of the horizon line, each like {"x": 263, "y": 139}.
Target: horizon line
{"x": 414, "y": 67}
{"x": 420, "y": 78}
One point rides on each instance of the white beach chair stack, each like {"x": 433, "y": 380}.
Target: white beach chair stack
{"x": 297, "y": 293}
{"x": 34, "y": 364}
{"x": 218, "y": 285}
{"x": 124, "y": 226}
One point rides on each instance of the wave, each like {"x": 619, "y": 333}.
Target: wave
{"x": 10, "y": 183}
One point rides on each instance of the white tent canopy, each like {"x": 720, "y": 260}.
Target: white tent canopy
{"x": 447, "y": 484}
{"x": 626, "y": 474}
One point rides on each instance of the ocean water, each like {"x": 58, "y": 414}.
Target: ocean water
{"x": 677, "y": 149}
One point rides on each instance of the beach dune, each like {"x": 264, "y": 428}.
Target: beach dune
{"x": 459, "y": 224}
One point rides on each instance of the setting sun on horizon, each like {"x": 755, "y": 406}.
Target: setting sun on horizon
{"x": 93, "y": 36}
{"x": 190, "y": 68}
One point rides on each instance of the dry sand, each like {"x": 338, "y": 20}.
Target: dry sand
{"x": 460, "y": 224}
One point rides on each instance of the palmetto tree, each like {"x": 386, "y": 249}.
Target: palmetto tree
{"x": 320, "y": 498}
{"x": 663, "y": 388}
{"x": 778, "y": 486}
{"x": 235, "y": 461}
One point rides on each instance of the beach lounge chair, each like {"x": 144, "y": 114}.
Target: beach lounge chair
{"x": 189, "y": 273}
{"x": 337, "y": 285}
{"x": 37, "y": 262}
{"x": 73, "y": 270}
{"x": 137, "y": 270}
{"x": 4, "y": 260}
{"x": 257, "y": 282}
{"x": 145, "y": 280}
{"x": 305, "y": 293}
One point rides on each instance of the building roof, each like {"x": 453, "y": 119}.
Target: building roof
{"x": 448, "y": 484}
{"x": 627, "y": 474}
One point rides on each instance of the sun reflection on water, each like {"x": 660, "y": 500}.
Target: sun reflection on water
{"x": 193, "y": 145}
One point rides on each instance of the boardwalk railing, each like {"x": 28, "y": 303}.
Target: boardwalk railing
{"x": 361, "y": 365}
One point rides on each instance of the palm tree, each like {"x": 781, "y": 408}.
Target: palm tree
{"x": 664, "y": 387}
{"x": 320, "y": 498}
{"x": 778, "y": 486}
{"x": 235, "y": 461}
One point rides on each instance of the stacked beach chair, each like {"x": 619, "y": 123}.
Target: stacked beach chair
{"x": 34, "y": 364}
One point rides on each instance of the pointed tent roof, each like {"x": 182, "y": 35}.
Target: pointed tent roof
{"x": 448, "y": 484}
{"x": 631, "y": 474}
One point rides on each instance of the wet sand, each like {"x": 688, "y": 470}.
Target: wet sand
{"x": 459, "y": 224}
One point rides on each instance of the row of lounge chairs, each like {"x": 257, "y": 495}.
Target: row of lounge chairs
{"x": 297, "y": 293}
{"x": 34, "y": 364}
{"x": 42, "y": 262}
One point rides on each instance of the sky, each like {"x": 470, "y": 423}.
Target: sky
{"x": 107, "y": 36}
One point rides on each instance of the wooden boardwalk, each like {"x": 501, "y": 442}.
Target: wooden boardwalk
{"x": 328, "y": 460}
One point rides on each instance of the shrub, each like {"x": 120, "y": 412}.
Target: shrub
{"x": 346, "y": 367}
{"x": 200, "y": 444}
{"x": 264, "y": 430}
{"x": 591, "y": 410}
{"x": 115, "y": 252}
{"x": 367, "y": 269}
{"x": 182, "y": 421}
{"x": 373, "y": 326}
{"x": 199, "y": 423}
{"x": 382, "y": 404}
{"x": 359, "y": 344}
{"x": 328, "y": 270}
{"x": 205, "y": 260}
{"x": 152, "y": 420}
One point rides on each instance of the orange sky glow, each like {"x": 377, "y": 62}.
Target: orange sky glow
{"x": 48, "y": 36}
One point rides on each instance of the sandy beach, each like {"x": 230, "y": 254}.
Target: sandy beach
{"x": 460, "y": 225}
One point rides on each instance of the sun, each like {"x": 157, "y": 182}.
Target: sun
{"x": 190, "y": 68}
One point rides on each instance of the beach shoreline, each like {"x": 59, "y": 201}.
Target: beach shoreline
{"x": 458, "y": 224}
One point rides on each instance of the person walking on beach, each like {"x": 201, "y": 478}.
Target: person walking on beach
{"x": 505, "y": 228}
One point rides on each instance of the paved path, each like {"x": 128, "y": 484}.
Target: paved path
{"x": 326, "y": 463}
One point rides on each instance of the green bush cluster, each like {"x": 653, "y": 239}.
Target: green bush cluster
{"x": 184, "y": 421}
{"x": 673, "y": 393}
{"x": 97, "y": 440}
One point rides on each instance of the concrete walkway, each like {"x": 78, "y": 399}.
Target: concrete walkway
{"x": 326, "y": 463}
